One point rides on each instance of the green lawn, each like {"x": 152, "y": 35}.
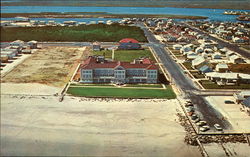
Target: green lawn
{"x": 188, "y": 65}
{"x": 88, "y": 33}
{"x": 211, "y": 85}
{"x": 117, "y": 92}
{"x": 197, "y": 75}
{"x": 79, "y": 84}
{"x": 145, "y": 85}
{"x": 126, "y": 55}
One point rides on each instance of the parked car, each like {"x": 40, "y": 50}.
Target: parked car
{"x": 188, "y": 104}
{"x": 229, "y": 102}
{"x": 218, "y": 127}
{"x": 201, "y": 123}
{"x": 204, "y": 128}
{"x": 194, "y": 116}
{"x": 190, "y": 109}
{"x": 196, "y": 120}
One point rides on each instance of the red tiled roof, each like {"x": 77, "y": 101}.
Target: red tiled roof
{"x": 91, "y": 63}
{"x": 128, "y": 40}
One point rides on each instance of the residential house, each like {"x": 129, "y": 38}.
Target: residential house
{"x": 221, "y": 67}
{"x": 18, "y": 43}
{"x": 11, "y": 53}
{"x": 177, "y": 47}
{"x": 205, "y": 69}
{"x": 216, "y": 55}
{"x": 228, "y": 78}
{"x": 129, "y": 44}
{"x": 94, "y": 70}
{"x": 236, "y": 59}
{"x": 96, "y": 46}
{"x": 198, "y": 62}
{"x": 246, "y": 105}
{"x": 241, "y": 96}
{"x": 32, "y": 44}
{"x": 199, "y": 50}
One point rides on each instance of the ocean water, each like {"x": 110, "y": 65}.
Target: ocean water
{"x": 212, "y": 14}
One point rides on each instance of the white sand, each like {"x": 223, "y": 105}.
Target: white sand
{"x": 239, "y": 120}
{"x": 43, "y": 126}
{"x": 28, "y": 88}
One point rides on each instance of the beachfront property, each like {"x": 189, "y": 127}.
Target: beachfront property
{"x": 228, "y": 78}
{"x": 96, "y": 69}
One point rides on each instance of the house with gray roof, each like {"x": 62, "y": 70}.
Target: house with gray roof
{"x": 199, "y": 61}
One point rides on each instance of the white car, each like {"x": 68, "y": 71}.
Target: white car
{"x": 201, "y": 123}
{"x": 204, "y": 128}
{"x": 218, "y": 127}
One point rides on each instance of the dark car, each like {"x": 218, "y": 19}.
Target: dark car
{"x": 228, "y": 102}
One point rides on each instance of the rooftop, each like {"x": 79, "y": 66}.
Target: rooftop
{"x": 92, "y": 63}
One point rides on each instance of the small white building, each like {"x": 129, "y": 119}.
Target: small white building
{"x": 32, "y": 44}
{"x": 198, "y": 61}
{"x": 221, "y": 67}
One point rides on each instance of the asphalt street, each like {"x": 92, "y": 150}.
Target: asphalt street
{"x": 184, "y": 83}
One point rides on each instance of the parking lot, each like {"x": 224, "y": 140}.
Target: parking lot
{"x": 238, "y": 119}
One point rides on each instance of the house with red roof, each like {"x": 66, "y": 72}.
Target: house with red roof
{"x": 96, "y": 69}
{"x": 129, "y": 44}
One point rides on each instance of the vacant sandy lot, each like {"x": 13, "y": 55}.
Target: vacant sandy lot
{"x": 239, "y": 120}
{"x": 49, "y": 65}
{"x": 38, "y": 125}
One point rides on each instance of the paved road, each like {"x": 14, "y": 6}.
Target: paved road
{"x": 230, "y": 46}
{"x": 185, "y": 83}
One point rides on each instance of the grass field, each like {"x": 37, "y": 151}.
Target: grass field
{"x": 88, "y": 33}
{"x": 117, "y": 92}
{"x": 126, "y": 55}
{"x": 188, "y": 65}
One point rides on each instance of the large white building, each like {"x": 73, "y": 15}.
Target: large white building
{"x": 98, "y": 70}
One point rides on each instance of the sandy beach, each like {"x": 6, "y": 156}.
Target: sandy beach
{"x": 38, "y": 125}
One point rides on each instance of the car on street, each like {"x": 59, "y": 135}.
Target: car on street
{"x": 218, "y": 127}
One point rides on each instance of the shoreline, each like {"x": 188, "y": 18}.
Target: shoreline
{"x": 201, "y": 5}
{"x": 97, "y": 15}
